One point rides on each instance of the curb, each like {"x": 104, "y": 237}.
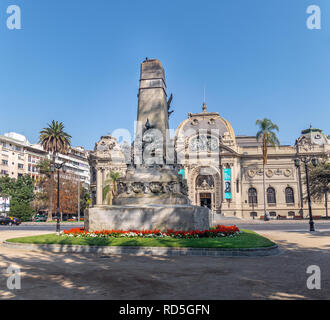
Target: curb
{"x": 146, "y": 251}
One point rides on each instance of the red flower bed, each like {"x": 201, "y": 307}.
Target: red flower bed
{"x": 217, "y": 231}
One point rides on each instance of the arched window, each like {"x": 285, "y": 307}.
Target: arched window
{"x": 289, "y": 195}
{"x": 271, "y": 197}
{"x": 253, "y": 197}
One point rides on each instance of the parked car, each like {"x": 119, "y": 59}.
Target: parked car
{"x": 40, "y": 218}
{"x": 16, "y": 221}
{"x": 10, "y": 221}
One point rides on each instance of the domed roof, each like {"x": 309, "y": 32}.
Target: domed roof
{"x": 206, "y": 121}
{"x": 314, "y": 136}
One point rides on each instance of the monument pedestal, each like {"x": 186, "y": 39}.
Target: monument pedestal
{"x": 147, "y": 217}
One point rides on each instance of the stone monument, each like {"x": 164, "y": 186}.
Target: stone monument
{"x": 151, "y": 195}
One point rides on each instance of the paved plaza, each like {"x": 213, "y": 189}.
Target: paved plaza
{"x": 77, "y": 276}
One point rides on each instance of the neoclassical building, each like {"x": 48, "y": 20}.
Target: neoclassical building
{"x": 225, "y": 172}
{"x": 231, "y": 182}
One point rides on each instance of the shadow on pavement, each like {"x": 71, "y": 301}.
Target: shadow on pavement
{"x": 92, "y": 276}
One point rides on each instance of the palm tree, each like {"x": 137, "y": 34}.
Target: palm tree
{"x": 110, "y": 189}
{"x": 268, "y": 136}
{"x": 54, "y": 140}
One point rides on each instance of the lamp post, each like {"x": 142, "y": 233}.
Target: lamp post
{"x": 314, "y": 161}
{"x": 58, "y": 166}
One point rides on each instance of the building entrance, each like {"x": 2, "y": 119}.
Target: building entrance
{"x": 206, "y": 200}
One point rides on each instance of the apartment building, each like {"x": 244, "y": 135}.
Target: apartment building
{"x": 13, "y": 161}
{"x": 18, "y": 157}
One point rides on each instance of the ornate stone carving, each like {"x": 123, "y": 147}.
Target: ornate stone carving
{"x": 137, "y": 187}
{"x": 195, "y": 122}
{"x": 156, "y": 187}
{"x": 153, "y": 187}
{"x": 278, "y": 172}
{"x": 287, "y": 172}
{"x": 269, "y": 173}
{"x": 251, "y": 173}
{"x": 121, "y": 187}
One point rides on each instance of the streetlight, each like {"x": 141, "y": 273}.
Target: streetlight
{"x": 58, "y": 166}
{"x": 314, "y": 161}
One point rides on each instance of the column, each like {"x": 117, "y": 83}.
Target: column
{"x": 98, "y": 186}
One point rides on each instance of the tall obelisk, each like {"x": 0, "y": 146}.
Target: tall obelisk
{"x": 152, "y": 102}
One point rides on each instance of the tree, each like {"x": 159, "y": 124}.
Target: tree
{"x": 268, "y": 137}
{"x": 21, "y": 193}
{"x": 54, "y": 140}
{"x": 68, "y": 195}
{"x": 319, "y": 182}
{"x": 85, "y": 199}
{"x": 43, "y": 185}
{"x": 110, "y": 189}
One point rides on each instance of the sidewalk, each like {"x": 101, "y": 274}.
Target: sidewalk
{"x": 88, "y": 276}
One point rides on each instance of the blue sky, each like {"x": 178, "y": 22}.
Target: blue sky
{"x": 78, "y": 62}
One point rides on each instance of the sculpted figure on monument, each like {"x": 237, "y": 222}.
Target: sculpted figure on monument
{"x": 147, "y": 188}
{"x": 137, "y": 187}
{"x": 155, "y": 187}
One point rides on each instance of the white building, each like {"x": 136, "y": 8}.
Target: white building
{"x": 18, "y": 157}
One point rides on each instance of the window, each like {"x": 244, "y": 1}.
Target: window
{"x": 271, "y": 197}
{"x": 203, "y": 143}
{"x": 289, "y": 195}
{"x": 253, "y": 214}
{"x": 272, "y": 214}
{"x": 253, "y": 198}
{"x": 291, "y": 214}
{"x": 20, "y": 166}
{"x": 5, "y": 162}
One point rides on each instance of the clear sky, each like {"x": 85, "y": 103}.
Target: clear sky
{"x": 77, "y": 61}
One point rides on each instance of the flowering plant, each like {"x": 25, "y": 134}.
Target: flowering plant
{"x": 217, "y": 231}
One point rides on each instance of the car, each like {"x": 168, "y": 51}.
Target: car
{"x": 4, "y": 220}
{"x": 9, "y": 221}
{"x": 16, "y": 221}
{"x": 40, "y": 218}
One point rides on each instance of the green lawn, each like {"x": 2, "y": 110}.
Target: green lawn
{"x": 247, "y": 239}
